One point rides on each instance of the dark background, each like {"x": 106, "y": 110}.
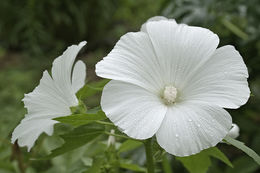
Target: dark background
{"x": 33, "y": 33}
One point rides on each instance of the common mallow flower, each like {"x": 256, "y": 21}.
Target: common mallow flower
{"x": 171, "y": 80}
{"x": 52, "y": 98}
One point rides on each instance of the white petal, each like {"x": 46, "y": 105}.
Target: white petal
{"x": 133, "y": 60}
{"x": 78, "y": 76}
{"x": 52, "y": 98}
{"x": 136, "y": 111}
{"x": 28, "y": 131}
{"x": 221, "y": 81}
{"x": 155, "y": 18}
{"x": 47, "y": 100}
{"x": 189, "y": 128}
{"x": 182, "y": 49}
{"x": 169, "y": 54}
{"x": 62, "y": 71}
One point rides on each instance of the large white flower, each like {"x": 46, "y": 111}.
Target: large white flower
{"x": 171, "y": 80}
{"x": 52, "y": 98}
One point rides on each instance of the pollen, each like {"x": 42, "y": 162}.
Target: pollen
{"x": 169, "y": 94}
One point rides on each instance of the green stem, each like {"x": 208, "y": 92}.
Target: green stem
{"x": 120, "y": 136}
{"x": 149, "y": 155}
{"x": 166, "y": 165}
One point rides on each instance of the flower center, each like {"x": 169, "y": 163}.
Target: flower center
{"x": 169, "y": 94}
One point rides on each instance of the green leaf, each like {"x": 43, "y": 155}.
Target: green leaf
{"x": 129, "y": 145}
{"x": 199, "y": 163}
{"x": 96, "y": 166}
{"x": 79, "y": 109}
{"x": 81, "y": 119}
{"x": 78, "y": 166}
{"x": 215, "y": 152}
{"x": 243, "y": 147}
{"x": 243, "y": 164}
{"x": 94, "y": 110}
{"x": 76, "y": 138}
{"x": 91, "y": 89}
{"x": 233, "y": 28}
{"x": 6, "y": 165}
{"x": 132, "y": 167}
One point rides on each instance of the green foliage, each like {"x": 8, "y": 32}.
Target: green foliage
{"x": 96, "y": 166}
{"x": 132, "y": 167}
{"x": 90, "y": 90}
{"x": 80, "y": 108}
{"x": 40, "y": 27}
{"x": 233, "y": 28}
{"x": 243, "y": 147}
{"x": 76, "y": 138}
{"x": 166, "y": 166}
{"x": 81, "y": 119}
{"x": 129, "y": 145}
{"x": 199, "y": 163}
{"x": 243, "y": 165}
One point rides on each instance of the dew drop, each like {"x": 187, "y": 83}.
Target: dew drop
{"x": 177, "y": 135}
{"x": 198, "y": 125}
{"x": 190, "y": 120}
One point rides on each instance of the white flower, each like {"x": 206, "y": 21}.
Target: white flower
{"x": 234, "y": 131}
{"x": 171, "y": 80}
{"x": 52, "y": 98}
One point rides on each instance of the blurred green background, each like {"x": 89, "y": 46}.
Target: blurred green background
{"x": 33, "y": 33}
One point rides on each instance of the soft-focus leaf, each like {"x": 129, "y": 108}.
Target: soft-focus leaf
{"x": 91, "y": 89}
{"x": 79, "y": 167}
{"x": 4, "y": 165}
{"x": 94, "y": 110}
{"x": 132, "y": 167}
{"x": 96, "y": 166}
{"x": 76, "y": 138}
{"x": 81, "y": 119}
{"x": 129, "y": 145}
{"x": 215, "y": 152}
{"x": 243, "y": 165}
{"x": 243, "y": 147}
{"x": 235, "y": 29}
{"x": 199, "y": 163}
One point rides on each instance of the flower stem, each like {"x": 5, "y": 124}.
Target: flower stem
{"x": 149, "y": 155}
{"x": 166, "y": 165}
